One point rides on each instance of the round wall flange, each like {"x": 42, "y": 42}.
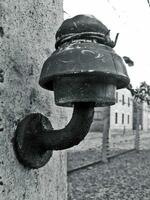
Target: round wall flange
{"x": 30, "y": 153}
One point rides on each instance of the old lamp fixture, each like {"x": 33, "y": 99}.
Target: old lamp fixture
{"x": 84, "y": 71}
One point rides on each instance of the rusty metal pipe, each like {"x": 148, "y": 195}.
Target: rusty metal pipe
{"x": 35, "y": 138}
{"x": 74, "y": 132}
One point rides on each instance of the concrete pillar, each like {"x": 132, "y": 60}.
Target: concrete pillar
{"x": 137, "y": 133}
{"x": 27, "y": 30}
{"x": 105, "y": 139}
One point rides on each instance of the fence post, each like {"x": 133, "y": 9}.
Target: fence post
{"x": 137, "y": 134}
{"x": 105, "y": 139}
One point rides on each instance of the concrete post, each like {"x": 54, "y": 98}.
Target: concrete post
{"x": 27, "y": 30}
{"x": 137, "y": 133}
{"x": 105, "y": 139}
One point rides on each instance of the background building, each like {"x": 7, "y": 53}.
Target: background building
{"x": 98, "y": 123}
{"x": 121, "y": 114}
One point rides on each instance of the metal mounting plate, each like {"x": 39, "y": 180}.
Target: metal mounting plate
{"x": 32, "y": 154}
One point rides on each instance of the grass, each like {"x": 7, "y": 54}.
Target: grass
{"x": 126, "y": 177}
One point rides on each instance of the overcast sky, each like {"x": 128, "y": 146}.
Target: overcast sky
{"x": 131, "y": 18}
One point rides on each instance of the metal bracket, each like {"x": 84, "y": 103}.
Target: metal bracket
{"x": 29, "y": 152}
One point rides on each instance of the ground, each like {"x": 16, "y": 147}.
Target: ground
{"x": 126, "y": 177}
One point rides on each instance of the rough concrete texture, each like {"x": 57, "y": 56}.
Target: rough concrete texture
{"x": 27, "y": 30}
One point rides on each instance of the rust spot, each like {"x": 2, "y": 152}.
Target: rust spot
{"x": 1, "y": 162}
{"x": 1, "y": 76}
{"x": 17, "y": 70}
{"x": 24, "y": 195}
{"x": 1, "y": 31}
{"x": 1, "y": 129}
{"x": 31, "y": 12}
{"x": 12, "y": 140}
{"x": 1, "y": 183}
{"x": 33, "y": 96}
{"x": 31, "y": 71}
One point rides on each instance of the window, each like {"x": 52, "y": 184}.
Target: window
{"x": 116, "y": 118}
{"x": 123, "y": 100}
{"x": 97, "y": 115}
{"x": 128, "y": 119}
{"x": 122, "y": 118}
{"x": 116, "y": 97}
{"x": 128, "y": 101}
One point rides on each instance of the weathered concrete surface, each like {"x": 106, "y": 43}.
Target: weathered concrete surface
{"x": 27, "y": 30}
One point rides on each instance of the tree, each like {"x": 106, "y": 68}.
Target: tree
{"x": 142, "y": 93}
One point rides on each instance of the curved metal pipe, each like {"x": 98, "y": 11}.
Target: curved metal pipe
{"x": 73, "y": 133}
{"x": 35, "y": 138}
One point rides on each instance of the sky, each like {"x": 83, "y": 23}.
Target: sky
{"x": 131, "y": 19}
